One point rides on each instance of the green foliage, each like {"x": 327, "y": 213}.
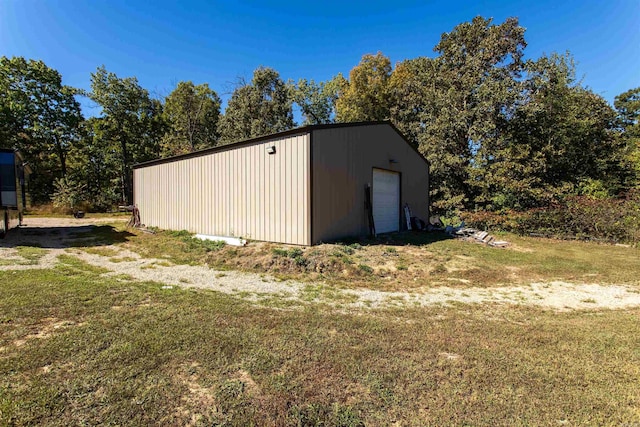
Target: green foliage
{"x": 94, "y": 162}
{"x": 288, "y": 253}
{"x": 365, "y": 268}
{"x": 130, "y": 124}
{"x": 365, "y": 96}
{"x": 40, "y": 116}
{"x": 191, "y": 112}
{"x": 315, "y": 100}
{"x": 258, "y": 108}
{"x": 628, "y": 107}
{"x": 609, "y": 219}
{"x": 561, "y": 137}
{"x": 454, "y": 106}
{"x": 295, "y": 253}
{"x": 317, "y": 414}
{"x": 193, "y": 244}
{"x": 68, "y": 194}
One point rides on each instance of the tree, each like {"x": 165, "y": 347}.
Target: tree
{"x": 628, "y": 108}
{"x": 130, "y": 123}
{"x": 365, "y": 96}
{"x": 95, "y": 164}
{"x": 257, "y": 108}
{"x": 40, "y": 116}
{"x": 560, "y": 140}
{"x": 191, "y": 112}
{"x": 455, "y": 106}
{"x": 316, "y": 100}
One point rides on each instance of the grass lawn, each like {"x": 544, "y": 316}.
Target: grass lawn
{"x": 77, "y": 348}
{"x": 408, "y": 261}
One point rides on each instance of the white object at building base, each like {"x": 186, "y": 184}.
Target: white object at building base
{"x": 234, "y": 241}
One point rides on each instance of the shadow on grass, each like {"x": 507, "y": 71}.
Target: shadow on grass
{"x": 404, "y": 238}
{"x": 65, "y": 236}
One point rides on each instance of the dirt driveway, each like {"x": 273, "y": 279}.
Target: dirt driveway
{"x": 51, "y": 237}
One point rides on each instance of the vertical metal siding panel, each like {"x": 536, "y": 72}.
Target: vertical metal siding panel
{"x": 252, "y": 226}
{"x": 227, "y": 195}
{"x": 287, "y": 196}
{"x": 244, "y": 191}
{"x": 246, "y": 172}
{"x": 301, "y": 180}
{"x": 233, "y": 193}
{"x": 261, "y": 190}
{"x": 207, "y": 195}
{"x": 217, "y": 194}
{"x": 279, "y": 170}
{"x": 229, "y": 185}
{"x": 179, "y": 191}
{"x": 239, "y": 193}
{"x": 293, "y": 187}
{"x": 191, "y": 196}
{"x": 220, "y": 208}
{"x": 267, "y": 195}
{"x": 308, "y": 192}
{"x": 198, "y": 193}
{"x": 193, "y": 211}
{"x": 264, "y": 195}
{"x": 242, "y": 172}
{"x": 222, "y": 196}
{"x": 175, "y": 193}
{"x": 305, "y": 181}
{"x": 300, "y": 202}
{"x": 293, "y": 205}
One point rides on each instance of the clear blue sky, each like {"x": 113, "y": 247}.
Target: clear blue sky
{"x": 162, "y": 42}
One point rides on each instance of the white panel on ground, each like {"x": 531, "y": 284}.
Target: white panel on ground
{"x": 234, "y": 241}
{"x": 386, "y": 200}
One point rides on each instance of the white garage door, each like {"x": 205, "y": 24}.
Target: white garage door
{"x": 386, "y": 200}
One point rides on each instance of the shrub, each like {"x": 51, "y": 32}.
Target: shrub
{"x": 583, "y": 217}
{"x": 365, "y": 268}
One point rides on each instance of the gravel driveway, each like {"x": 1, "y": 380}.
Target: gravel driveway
{"x": 61, "y": 236}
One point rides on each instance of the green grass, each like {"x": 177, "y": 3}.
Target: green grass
{"x": 81, "y": 349}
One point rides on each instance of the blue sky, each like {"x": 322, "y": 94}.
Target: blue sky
{"x": 163, "y": 42}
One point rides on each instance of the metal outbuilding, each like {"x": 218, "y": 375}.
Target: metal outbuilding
{"x": 13, "y": 172}
{"x": 303, "y": 186}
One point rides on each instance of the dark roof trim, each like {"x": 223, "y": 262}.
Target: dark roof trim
{"x": 295, "y": 131}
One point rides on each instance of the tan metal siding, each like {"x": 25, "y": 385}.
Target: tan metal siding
{"x": 242, "y": 192}
{"x": 343, "y": 162}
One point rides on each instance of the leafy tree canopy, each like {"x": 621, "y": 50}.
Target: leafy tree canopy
{"x": 131, "y": 123}
{"x": 191, "y": 112}
{"x": 40, "y": 116}
{"x": 365, "y": 96}
{"x": 258, "y": 108}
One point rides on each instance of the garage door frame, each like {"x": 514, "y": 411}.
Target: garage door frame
{"x": 398, "y": 210}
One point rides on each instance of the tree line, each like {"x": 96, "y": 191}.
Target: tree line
{"x": 499, "y": 131}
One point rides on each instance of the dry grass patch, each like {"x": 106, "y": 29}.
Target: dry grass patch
{"x": 407, "y": 261}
